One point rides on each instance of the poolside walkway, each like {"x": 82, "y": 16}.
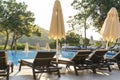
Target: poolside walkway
{"x": 26, "y": 74}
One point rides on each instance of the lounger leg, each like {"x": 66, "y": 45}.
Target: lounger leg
{"x": 93, "y": 69}
{"x": 34, "y": 76}
{"x": 109, "y": 68}
{"x": 75, "y": 70}
{"x": 118, "y": 65}
{"x": 12, "y": 67}
{"x": 20, "y": 65}
{"x": 7, "y": 78}
{"x": 58, "y": 72}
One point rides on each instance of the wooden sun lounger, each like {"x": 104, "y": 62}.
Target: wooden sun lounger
{"x": 77, "y": 61}
{"x": 42, "y": 63}
{"x": 4, "y": 65}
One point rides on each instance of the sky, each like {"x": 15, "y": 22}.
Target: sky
{"x": 42, "y": 10}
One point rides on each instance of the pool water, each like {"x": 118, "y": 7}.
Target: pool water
{"x": 14, "y": 56}
{"x": 110, "y": 54}
{"x": 68, "y": 53}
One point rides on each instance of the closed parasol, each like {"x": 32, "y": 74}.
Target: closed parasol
{"x": 57, "y": 30}
{"x": 110, "y": 30}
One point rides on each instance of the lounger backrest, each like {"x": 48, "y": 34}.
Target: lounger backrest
{"x": 97, "y": 55}
{"x": 80, "y": 56}
{"x": 43, "y": 58}
{"x": 3, "y": 60}
{"x": 117, "y": 56}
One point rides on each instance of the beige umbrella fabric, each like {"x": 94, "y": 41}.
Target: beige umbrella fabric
{"x": 57, "y": 30}
{"x": 110, "y": 30}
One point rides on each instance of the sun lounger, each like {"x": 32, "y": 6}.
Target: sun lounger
{"x": 77, "y": 61}
{"x": 4, "y": 65}
{"x": 42, "y": 63}
{"x": 97, "y": 60}
{"x": 115, "y": 59}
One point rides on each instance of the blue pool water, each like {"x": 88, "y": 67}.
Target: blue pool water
{"x": 14, "y": 56}
{"x": 68, "y": 53}
{"x": 110, "y": 54}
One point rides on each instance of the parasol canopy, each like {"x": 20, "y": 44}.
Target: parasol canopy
{"x": 110, "y": 30}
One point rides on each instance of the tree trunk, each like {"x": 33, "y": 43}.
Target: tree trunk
{"x": 6, "y": 42}
{"x": 85, "y": 30}
{"x": 13, "y": 40}
{"x": 85, "y": 33}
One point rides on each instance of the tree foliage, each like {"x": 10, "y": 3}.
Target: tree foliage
{"x": 71, "y": 39}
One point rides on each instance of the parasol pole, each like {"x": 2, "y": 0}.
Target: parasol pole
{"x": 107, "y": 44}
{"x": 57, "y": 38}
{"x": 57, "y": 50}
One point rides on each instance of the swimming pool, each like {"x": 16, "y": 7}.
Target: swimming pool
{"x": 14, "y": 56}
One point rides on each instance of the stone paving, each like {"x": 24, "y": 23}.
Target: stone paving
{"x": 26, "y": 74}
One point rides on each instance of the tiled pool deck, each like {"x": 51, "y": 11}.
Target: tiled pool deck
{"x": 26, "y": 74}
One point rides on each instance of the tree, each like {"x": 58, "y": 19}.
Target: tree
{"x": 95, "y": 9}
{"x": 92, "y": 12}
{"x": 17, "y": 20}
{"x": 81, "y": 19}
{"x": 4, "y": 25}
{"x": 71, "y": 38}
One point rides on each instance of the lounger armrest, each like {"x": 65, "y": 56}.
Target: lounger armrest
{"x": 110, "y": 61}
{"x": 88, "y": 62}
{"x": 54, "y": 59}
{"x": 66, "y": 61}
{"x": 63, "y": 61}
{"x": 54, "y": 62}
{"x": 26, "y": 62}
